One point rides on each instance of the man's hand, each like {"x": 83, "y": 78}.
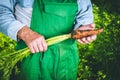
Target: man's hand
{"x": 33, "y": 40}
{"x": 89, "y": 38}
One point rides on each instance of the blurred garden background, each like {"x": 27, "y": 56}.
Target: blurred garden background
{"x": 99, "y": 60}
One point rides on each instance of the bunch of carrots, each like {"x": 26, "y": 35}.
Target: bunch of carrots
{"x": 8, "y": 61}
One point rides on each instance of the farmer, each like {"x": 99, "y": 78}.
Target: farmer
{"x": 30, "y": 22}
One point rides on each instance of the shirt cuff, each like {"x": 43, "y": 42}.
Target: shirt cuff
{"x": 14, "y": 28}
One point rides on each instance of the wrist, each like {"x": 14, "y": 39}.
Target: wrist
{"x": 23, "y": 33}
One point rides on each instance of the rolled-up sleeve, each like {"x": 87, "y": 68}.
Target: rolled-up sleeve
{"x": 8, "y": 24}
{"x": 84, "y": 15}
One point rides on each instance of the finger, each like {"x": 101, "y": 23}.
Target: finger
{"x": 31, "y": 48}
{"x": 93, "y": 37}
{"x": 80, "y": 41}
{"x": 39, "y": 44}
{"x": 89, "y": 38}
{"x": 84, "y": 40}
{"x": 44, "y": 44}
{"x": 40, "y": 47}
{"x": 92, "y": 26}
{"x": 35, "y": 47}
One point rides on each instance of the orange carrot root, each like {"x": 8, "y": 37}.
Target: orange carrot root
{"x": 77, "y": 34}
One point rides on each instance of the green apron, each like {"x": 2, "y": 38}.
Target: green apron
{"x": 60, "y": 62}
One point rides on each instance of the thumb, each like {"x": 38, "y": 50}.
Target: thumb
{"x": 92, "y": 26}
{"x": 87, "y": 27}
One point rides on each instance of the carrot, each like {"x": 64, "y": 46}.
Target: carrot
{"x": 77, "y": 34}
{"x": 8, "y": 61}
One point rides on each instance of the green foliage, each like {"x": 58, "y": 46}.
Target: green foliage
{"x": 6, "y": 44}
{"x": 98, "y": 60}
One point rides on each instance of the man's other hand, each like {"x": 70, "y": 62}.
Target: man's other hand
{"x": 89, "y": 38}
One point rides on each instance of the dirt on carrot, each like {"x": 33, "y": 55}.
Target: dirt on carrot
{"x": 77, "y": 34}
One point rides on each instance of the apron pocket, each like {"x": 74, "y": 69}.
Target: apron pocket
{"x": 60, "y": 9}
{"x": 58, "y": 18}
